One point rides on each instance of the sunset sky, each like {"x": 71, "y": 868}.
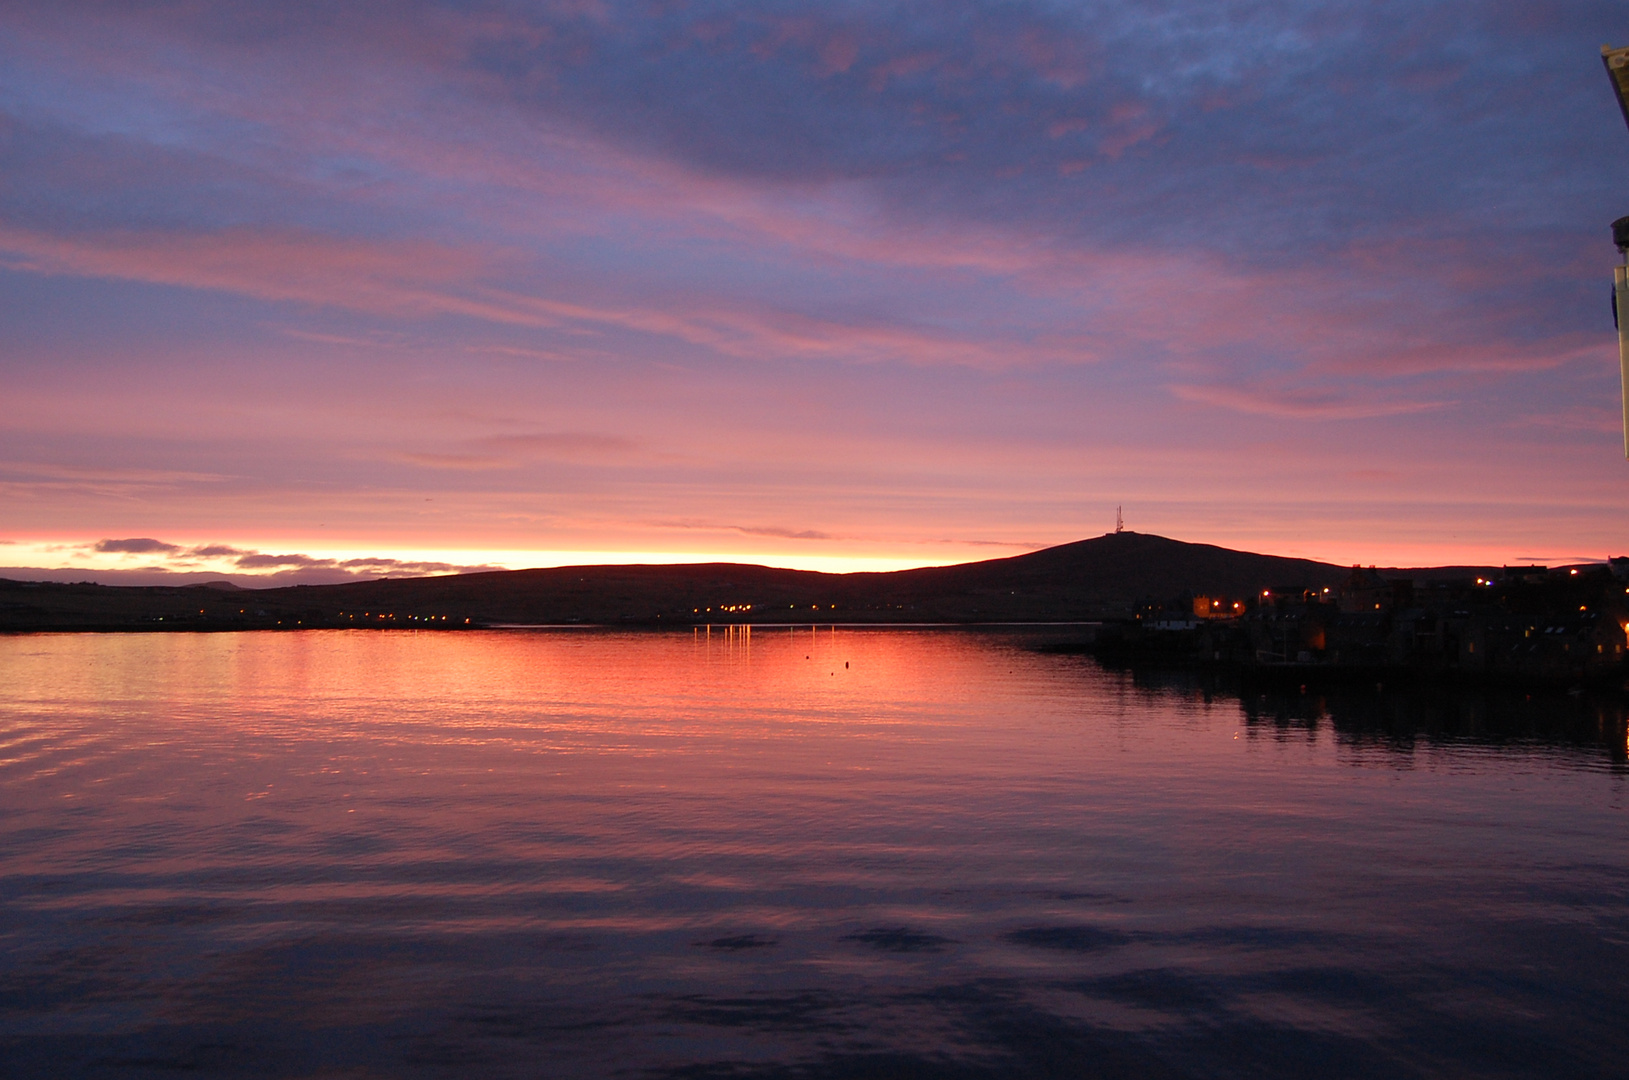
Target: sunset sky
{"x": 319, "y": 289}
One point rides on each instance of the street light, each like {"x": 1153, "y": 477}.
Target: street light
{"x": 1617, "y": 69}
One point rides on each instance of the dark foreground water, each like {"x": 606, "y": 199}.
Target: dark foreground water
{"x": 851, "y": 853}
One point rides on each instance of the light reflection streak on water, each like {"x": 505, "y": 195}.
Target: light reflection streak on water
{"x": 856, "y": 814}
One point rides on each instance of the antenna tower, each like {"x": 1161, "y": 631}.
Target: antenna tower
{"x": 1119, "y": 520}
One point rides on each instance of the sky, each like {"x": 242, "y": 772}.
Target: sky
{"x": 306, "y": 291}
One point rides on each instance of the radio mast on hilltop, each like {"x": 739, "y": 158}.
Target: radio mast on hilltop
{"x": 1119, "y": 521}
{"x": 1617, "y": 67}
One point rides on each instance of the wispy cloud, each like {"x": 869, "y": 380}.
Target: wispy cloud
{"x": 566, "y": 444}
{"x": 420, "y": 280}
{"x": 136, "y": 546}
{"x": 509, "y": 451}
{"x": 108, "y": 475}
{"x": 1596, "y": 419}
{"x": 460, "y": 462}
{"x": 154, "y": 556}
{"x": 778, "y": 532}
{"x": 1300, "y": 404}
{"x": 216, "y": 551}
{"x": 367, "y": 566}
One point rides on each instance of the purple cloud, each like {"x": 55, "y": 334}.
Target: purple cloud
{"x": 213, "y": 551}
{"x": 140, "y": 545}
{"x": 264, "y": 562}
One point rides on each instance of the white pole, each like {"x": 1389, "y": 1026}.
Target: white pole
{"x": 1621, "y": 292}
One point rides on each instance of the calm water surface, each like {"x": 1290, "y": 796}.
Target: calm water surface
{"x": 850, "y": 853}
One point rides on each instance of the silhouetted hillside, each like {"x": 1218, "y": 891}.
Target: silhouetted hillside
{"x": 1102, "y": 577}
{"x": 1106, "y": 575}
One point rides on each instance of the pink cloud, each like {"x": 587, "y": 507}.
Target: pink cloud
{"x": 1299, "y": 404}
{"x": 510, "y": 451}
{"x": 565, "y": 181}
{"x": 901, "y": 66}
{"x": 838, "y": 53}
{"x": 389, "y": 278}
{"x": 422, "y": 280}
{"x": 1599, "y": 419}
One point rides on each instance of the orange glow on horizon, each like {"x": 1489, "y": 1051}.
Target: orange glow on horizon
{"x": 313, "y": 560}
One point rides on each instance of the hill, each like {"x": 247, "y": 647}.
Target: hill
{"x": 1098, "y": 578}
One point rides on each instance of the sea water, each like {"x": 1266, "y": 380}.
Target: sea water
{"x": 790, "y": 852}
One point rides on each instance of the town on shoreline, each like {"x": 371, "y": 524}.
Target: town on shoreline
{"x": 1148, "y": 599}
{"x": 1518, "y": 624}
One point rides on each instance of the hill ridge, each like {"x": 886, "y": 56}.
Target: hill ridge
{"x": 1098, "y": 577}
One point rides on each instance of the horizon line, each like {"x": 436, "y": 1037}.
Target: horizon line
{"x": 121, "y": 567}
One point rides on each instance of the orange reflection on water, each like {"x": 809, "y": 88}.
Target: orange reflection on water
{"x": 565, "y": 767}
{"x": 252, "y": 834}
{"x": 246, "y": 753}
